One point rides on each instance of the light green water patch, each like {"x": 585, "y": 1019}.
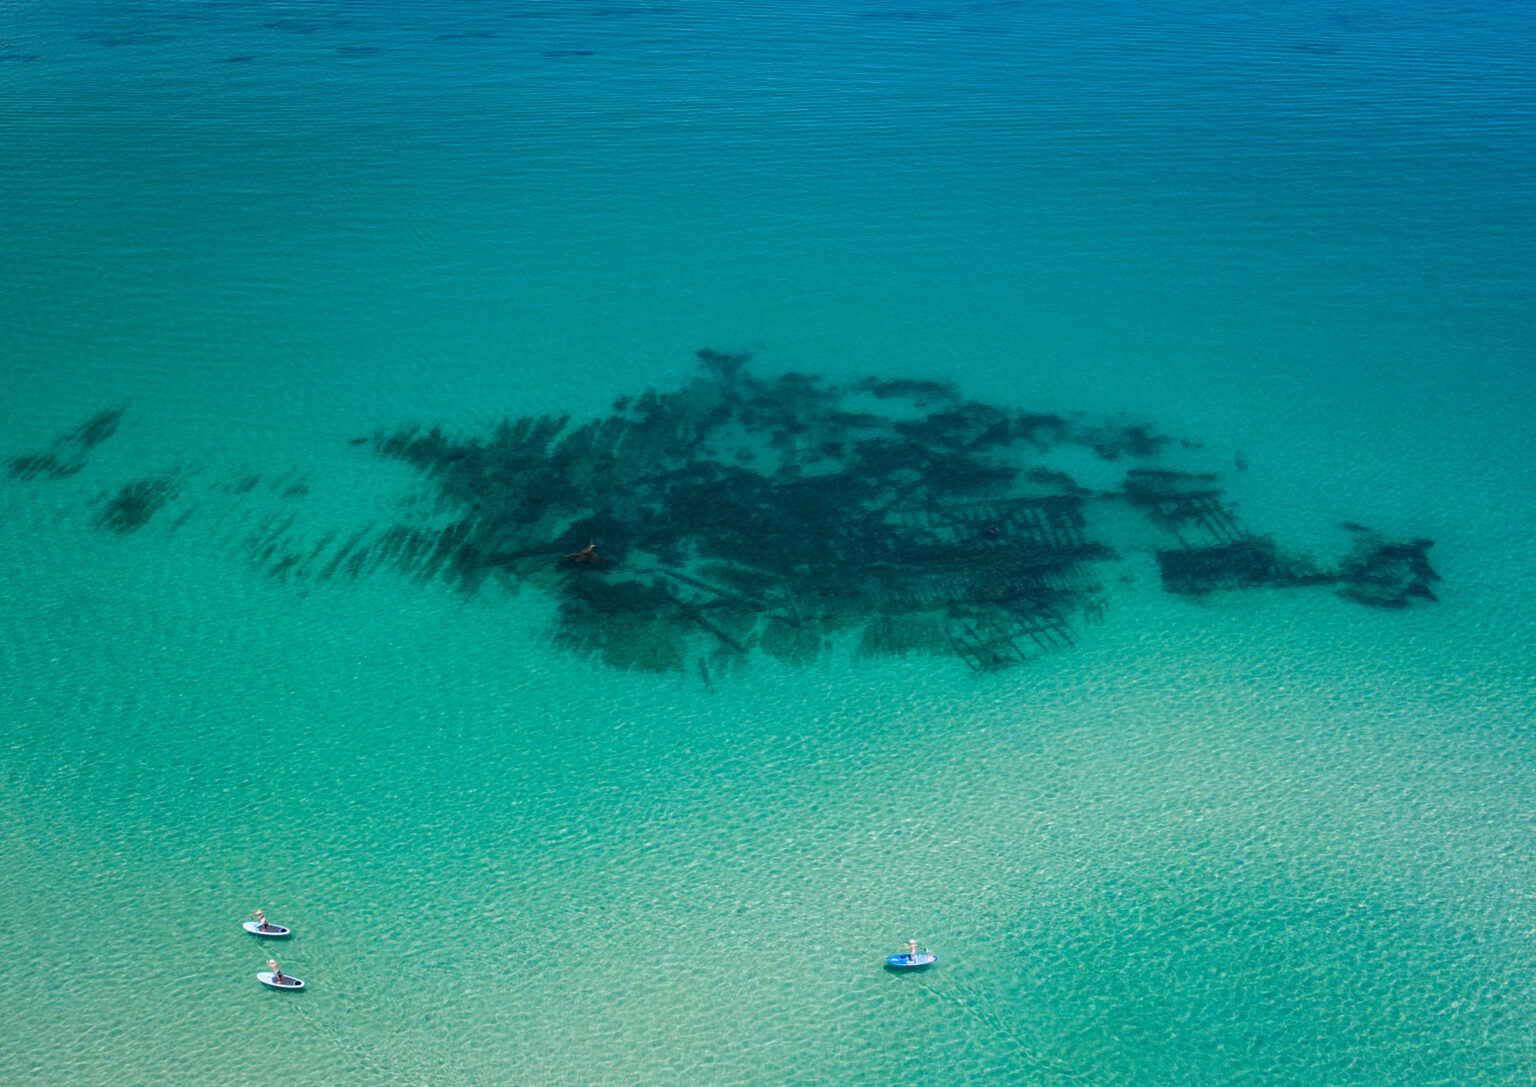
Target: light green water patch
{"x": 1147, "y": 860}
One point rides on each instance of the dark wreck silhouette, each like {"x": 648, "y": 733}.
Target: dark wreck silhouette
{"x": 741, "y": 513}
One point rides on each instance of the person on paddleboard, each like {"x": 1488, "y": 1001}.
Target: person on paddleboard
{"x": 261, "y": 920}
{"x": 277, "y": 971}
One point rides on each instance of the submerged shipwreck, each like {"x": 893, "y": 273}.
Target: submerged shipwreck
{"x": 742, "y": 514}
{"x": 738, "y": 513}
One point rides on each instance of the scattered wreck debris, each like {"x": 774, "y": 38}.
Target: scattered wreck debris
{"x": 1387, "y": 575}
{"x": 587, "y": 556}
{"x": 68, "y": 454}
{"x": 1217, "y": 553}
{"x": 134, "y": 504}
{"x": 741, "y": 515}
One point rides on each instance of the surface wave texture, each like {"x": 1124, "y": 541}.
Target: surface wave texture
{"x": 609, "y": 519}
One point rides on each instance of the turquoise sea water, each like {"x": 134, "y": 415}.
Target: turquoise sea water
{"x": 1263, "y": 836}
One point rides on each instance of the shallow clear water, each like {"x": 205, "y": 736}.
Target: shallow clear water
{"x": 1266, "y": 836}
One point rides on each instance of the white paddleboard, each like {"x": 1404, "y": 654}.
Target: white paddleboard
{"x": 269, "y": 979}
{"x": 270, "y": 931}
